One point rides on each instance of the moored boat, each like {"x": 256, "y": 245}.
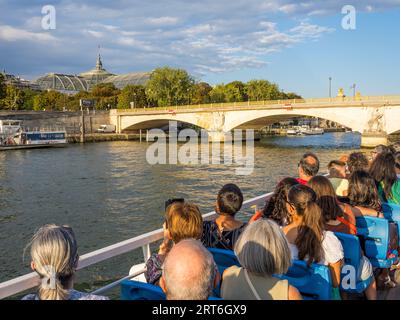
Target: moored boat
{"x": 13, "y": 136}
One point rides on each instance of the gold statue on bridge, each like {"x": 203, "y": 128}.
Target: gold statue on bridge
{"x": 341, "y": 93}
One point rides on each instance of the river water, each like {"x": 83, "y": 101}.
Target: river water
{"x": 107, "y": 192}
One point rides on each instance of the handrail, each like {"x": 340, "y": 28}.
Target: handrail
{"x": 270, "y": 103}
{"x": 31, "y": 280}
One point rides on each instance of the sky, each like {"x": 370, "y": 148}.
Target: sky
{"x": 296, "y": 44}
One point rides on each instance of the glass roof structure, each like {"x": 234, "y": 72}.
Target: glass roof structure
{"x": 86, "y": 80}
{"x": 62, "y": 82}
{"x": 136, "y": 78}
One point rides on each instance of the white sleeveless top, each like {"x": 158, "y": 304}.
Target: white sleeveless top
{"x": 332, "y": 247}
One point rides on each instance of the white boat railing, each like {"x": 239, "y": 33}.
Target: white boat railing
{"x": 31, "y": 280}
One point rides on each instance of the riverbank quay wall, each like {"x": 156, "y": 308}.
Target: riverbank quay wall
{"x": 58, "y": 120}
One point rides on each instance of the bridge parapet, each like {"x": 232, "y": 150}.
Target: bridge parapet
{"x": 295, "y": 103}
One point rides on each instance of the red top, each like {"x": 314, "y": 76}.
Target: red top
{"x": 302, "y": 181}
{"x": 348, "y": 222}
{"x": 256, "y": 216}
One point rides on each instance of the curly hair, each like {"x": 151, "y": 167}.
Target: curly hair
{"x": 275, "y": 208}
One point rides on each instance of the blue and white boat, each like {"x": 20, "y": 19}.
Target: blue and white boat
{"x": 13, "y": 136}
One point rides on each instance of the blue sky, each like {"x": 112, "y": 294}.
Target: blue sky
{"x": 297, "y": 44}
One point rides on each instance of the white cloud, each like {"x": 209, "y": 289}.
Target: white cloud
{"x": 9, "y": 33}
{"x": 96, "y": 34}
{"x": 162, "y": 21}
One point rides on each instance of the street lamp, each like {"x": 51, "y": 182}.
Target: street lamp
{"x": 330, "y": 87}
{"x": 354, "y": 89}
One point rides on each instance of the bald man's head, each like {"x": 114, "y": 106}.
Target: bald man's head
{"x": 188, "y": 272}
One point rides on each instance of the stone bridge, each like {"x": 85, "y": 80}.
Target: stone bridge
{"x": 374, "y": 117}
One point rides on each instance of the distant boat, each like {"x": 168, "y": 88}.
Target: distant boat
{"x": 291, "y": 132}
{"x": 13, "y": 136}
{"x": 313, "y": 131}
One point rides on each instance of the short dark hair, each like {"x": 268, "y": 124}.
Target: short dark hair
{"x": 229, "y": 199}
{"x": 310, "y": 168}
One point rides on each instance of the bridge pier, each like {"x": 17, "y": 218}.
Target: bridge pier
{"x": 372, "y": 139}
{"x": 216, "y": 136}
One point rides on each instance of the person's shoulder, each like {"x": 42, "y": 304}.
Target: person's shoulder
{"x": 77, "y": 295}
{"x": 231, "y": 271}
{"x": 331, "y": 240}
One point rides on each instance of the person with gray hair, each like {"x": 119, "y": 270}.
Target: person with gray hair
{"x": 54, "y": 253}
{"x": 189, "y": 272}
{"x": 262, "y": 250}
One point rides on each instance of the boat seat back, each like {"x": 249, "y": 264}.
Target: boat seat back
{"x": 352, "y": 255}
{"x": 313, "y": 282}
{"x": 375, "y": 234}
{"x": 136, "y": 290}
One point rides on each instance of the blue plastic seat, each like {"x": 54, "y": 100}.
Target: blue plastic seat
{"x": 352, "y": 255}
{"x": 224, "y": 258}
{"x": 313, "y": 282}
{"x": 136, "y": 290}
{"x": 392, "y": 213}
{"x": 375, "y": 232}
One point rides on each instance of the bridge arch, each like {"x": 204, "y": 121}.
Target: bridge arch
{"x": 256, "y": 119}
{"x": 157, "y": 121}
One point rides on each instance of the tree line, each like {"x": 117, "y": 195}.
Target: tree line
{"x": 166, "y": 87}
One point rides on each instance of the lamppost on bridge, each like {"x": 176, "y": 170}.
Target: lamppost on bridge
{"x": 330, "y": 87}
{"x": 354, "y": 89}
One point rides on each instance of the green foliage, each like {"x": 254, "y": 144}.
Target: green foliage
{"x": 259, "y": 90}
{"x": 169, "y": 86}
{"x": 218, "y": 93}
{"x": 3, "y": 87}
{"x": 105, "y": 94}
{"x": 201, "y": 93}
{"x": 291, "y": 95}
{"x": 50, "y": 101}
{"x": 132, "y": 93}
{"x": 14, "y": 99}
{"x": 235, "y": 92}
{"x": 28, "y": 98}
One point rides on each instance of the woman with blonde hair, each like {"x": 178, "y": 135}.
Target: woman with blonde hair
{"x": 54, "y": 253}
{"x": 262, "y": 251}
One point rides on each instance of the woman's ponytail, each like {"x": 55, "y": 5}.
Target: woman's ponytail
{"x": 54, "y": 252}
{"x": 310, "y": 232}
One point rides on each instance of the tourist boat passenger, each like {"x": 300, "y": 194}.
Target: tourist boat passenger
{"x": 189, "y": 272}
{"x": 339, "y": 217}
{"x": 397, "y": 165}
{"x": 357, "y": 161}
{"x": 183, "y": 220}
{"x": 338, "y": 177}
{"x": 262, "y": 251}
{"x": 54, "y": 253}
{"x": 364, "y": 197}
{"x": 224, "y": 231}
{"x": 306, "y": 235}
{"x": 383, "y": 170}
{"x": 308, "y": 167}
{"x": 275, "y": 207}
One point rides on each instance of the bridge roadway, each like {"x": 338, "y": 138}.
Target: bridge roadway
{"x": 374, "y": 117}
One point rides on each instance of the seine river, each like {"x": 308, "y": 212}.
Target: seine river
{"x": 107, "y": 192}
